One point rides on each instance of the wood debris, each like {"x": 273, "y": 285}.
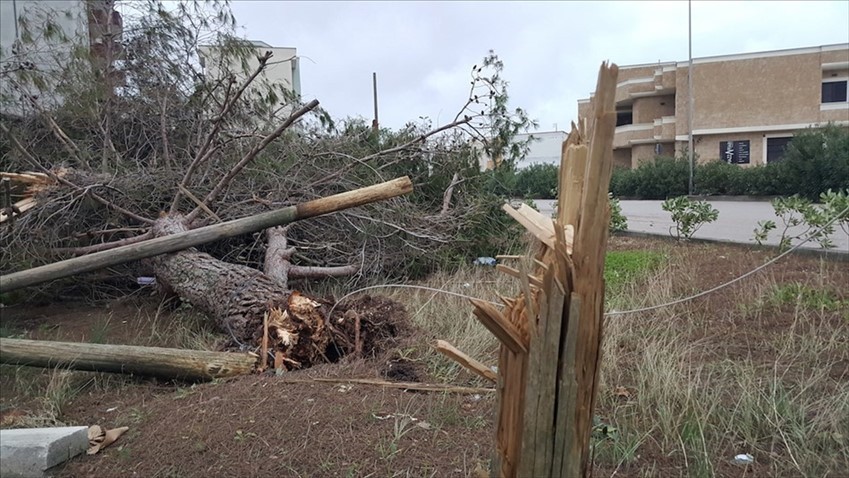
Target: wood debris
{"x": 23, "y": 187}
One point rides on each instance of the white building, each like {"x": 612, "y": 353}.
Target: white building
{"x": 545, "y": 148}
{"x": 283, "y": 68}
{"x": 39, "y": 36}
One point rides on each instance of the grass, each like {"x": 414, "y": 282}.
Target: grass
{"x": 693, "y": 405}
{"x": 683, "y": 389}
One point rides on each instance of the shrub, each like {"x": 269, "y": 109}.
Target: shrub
{"x": 689, "y": 215}
{"x": 538, "y": 181}
{"x": 658, "y": 179}
{"x": 817, "y": 223}
{"x": 816, "y": 160}
{"x": 618, "y": 222}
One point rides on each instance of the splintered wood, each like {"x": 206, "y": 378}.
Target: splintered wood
{"x": 550, "y": 332}
{"x": 29, "y": 184}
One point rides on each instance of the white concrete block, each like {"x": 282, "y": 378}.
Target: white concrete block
{"x": 28, "y": 452}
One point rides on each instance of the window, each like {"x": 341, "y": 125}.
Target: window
{"x": 734, "y": 152}
{"x": 625, "y": 117}
{"x": 834, "y": 91}
{"x": 775, "y": 148}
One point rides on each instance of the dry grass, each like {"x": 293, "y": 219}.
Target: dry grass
{"x": 681, "y": 398}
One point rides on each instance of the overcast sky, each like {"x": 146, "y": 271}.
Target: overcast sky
{"x": 423, "y": 51}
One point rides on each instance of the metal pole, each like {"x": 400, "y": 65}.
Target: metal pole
{"x": 690, "y": 93}
{"x": 375, "y": 125}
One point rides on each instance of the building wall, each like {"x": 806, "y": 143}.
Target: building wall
{"x": 546, "y": 148}
{"x": 647, "y": 109}
{"x": 284, "y": 70}
{"x": 736, "y": 97}
{"x": 43, "y": 54}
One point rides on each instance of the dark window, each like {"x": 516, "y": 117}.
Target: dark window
{"x": 775, "y": 148}
{"x": 834, "y": 91}
{"x": 624, "y": 118}
{"x": 734, "y": 152}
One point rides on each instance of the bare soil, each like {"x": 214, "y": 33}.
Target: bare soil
{"x": 268, "y": 425}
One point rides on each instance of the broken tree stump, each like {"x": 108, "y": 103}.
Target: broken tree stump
{"x": 193, "y": 365}
{"x": 551, "y": 332}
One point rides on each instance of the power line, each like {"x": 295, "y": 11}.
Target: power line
{"x": 623, "y": 312}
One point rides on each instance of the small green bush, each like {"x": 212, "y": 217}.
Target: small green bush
{"x": 688, "y": 215}
{"x": 618, "y": 221}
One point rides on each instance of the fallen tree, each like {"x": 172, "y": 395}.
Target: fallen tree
{"x": 179, "y": 152}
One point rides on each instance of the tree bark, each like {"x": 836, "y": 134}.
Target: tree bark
{"x": 150, "y": 361}
{"x": 236, "y": 297}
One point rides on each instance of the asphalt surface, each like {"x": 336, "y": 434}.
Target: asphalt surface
{"x": 736, "y": 223}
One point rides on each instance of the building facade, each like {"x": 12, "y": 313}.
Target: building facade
{"x": 746, "y": 107}
{"x": 282, "y": 69}
{"x": 37, "y": 35}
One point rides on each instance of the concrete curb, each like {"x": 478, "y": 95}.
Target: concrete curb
{"x": 29, "y": 452}
{"x": 827, "y": 254}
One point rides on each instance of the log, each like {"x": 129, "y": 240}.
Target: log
{"x": 193, "y": 365}
{"x": 196, "y": 237}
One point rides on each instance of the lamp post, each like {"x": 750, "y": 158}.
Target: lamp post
{"x": 690, "y": 93}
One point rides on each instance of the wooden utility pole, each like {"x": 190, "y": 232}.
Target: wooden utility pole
{"x": 551, "y": 332}
{"x": 149, "y": 361}
{"x": 214, "y": 232}
{"x": 375, "y": 124}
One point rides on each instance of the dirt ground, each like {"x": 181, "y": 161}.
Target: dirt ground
{"x": 267, "y": 425}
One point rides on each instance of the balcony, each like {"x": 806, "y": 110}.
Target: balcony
{"x": 627, "y": 134}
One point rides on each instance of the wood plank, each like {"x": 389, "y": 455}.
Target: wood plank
{"x": 23, "y": 205}
{"x": 533, "y": 280}
{"x": 503, "y": 330}
{"x": 542, "y": 233}
{"x": 466, "y": 361}
{"x": 203, "y": 235}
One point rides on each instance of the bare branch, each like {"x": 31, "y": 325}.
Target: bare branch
{"x": 420, "y": 139}
{"x": 80, "y": 251}
{"x": 17, "y": 144}
{"x": 201, "y": 155}
{"x": 225, "y": 181}
{"x": 304, "y": 272}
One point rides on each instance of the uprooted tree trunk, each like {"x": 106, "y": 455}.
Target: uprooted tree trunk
{"x": 278, "y": 261}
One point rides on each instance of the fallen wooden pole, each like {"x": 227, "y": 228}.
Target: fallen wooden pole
{"x": 417, "y": 386}
{"x": 196, "y": 237}
{"x": 193, "y": 365}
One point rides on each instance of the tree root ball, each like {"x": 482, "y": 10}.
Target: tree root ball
{"x": 366, "y": 326}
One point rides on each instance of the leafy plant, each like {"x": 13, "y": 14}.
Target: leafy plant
{"x": 688, "y": 215}
{"x": 805, "y": 221}
{"x": 618, "y": 221}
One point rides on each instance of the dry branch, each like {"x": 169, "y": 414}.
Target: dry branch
{"x": 176, "y": 242}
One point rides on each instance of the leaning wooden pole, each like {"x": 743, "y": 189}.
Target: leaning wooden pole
{"x": 551, "y": 332}
{"x": 196, "y": 237}
{"x": 193, "y": 365}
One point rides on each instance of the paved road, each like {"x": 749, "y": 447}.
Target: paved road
{"x": 737, "y": 221}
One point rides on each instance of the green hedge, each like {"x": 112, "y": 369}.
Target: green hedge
{"x": 815, "y": 161}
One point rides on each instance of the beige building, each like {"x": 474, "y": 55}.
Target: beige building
{"x": 745, "y": 107}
